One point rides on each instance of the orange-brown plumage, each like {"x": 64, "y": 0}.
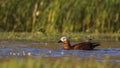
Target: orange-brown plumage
{"x": 80, "y": 46}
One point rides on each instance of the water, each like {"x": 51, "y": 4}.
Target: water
{"x": 36, "y": 50}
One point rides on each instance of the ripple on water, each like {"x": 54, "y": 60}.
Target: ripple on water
{"x": 98, "y": 54}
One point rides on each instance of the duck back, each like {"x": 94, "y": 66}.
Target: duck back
{"x": 85, "y": 46}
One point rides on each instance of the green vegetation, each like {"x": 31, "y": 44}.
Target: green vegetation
{"x": 59, "y": 63}
{"x": 55, "y": 16}
{"x": 74, "y": 37}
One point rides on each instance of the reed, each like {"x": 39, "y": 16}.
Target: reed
{"x": 60, "y": 16}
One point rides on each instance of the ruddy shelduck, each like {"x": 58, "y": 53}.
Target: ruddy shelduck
{"x": 88, "y": 45}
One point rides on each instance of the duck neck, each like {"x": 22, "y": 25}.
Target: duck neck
{"x": 67, "y": 45}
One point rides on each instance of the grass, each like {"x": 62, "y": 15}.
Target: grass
{"x": 65, "y": 62}
{"x": 40, "y": 37}
{"x": 63, "y": 16}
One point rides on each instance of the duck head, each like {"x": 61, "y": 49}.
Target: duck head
{"x": 66, "y": 43}
{"x": 63, "y": 40}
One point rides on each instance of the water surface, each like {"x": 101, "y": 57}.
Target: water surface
{"x": 44, "y": 49}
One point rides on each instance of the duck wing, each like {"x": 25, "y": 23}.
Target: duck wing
{"x": 85, "y": 46}
{"x": 82, "y": 46}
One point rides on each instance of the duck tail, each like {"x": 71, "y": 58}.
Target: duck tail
{"x": 96, "y": 44}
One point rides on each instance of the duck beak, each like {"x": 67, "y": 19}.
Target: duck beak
{"x": 59, "y": 41}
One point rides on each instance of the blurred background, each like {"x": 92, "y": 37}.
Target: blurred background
{"x": 60, "y": 16}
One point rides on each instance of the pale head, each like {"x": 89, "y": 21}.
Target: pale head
{"x": 63, "y": 39}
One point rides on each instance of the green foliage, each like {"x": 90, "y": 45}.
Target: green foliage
{"x": 74, "y": 37}
{"x": 55, "y": 16}
{"x": 57, "y": 63}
